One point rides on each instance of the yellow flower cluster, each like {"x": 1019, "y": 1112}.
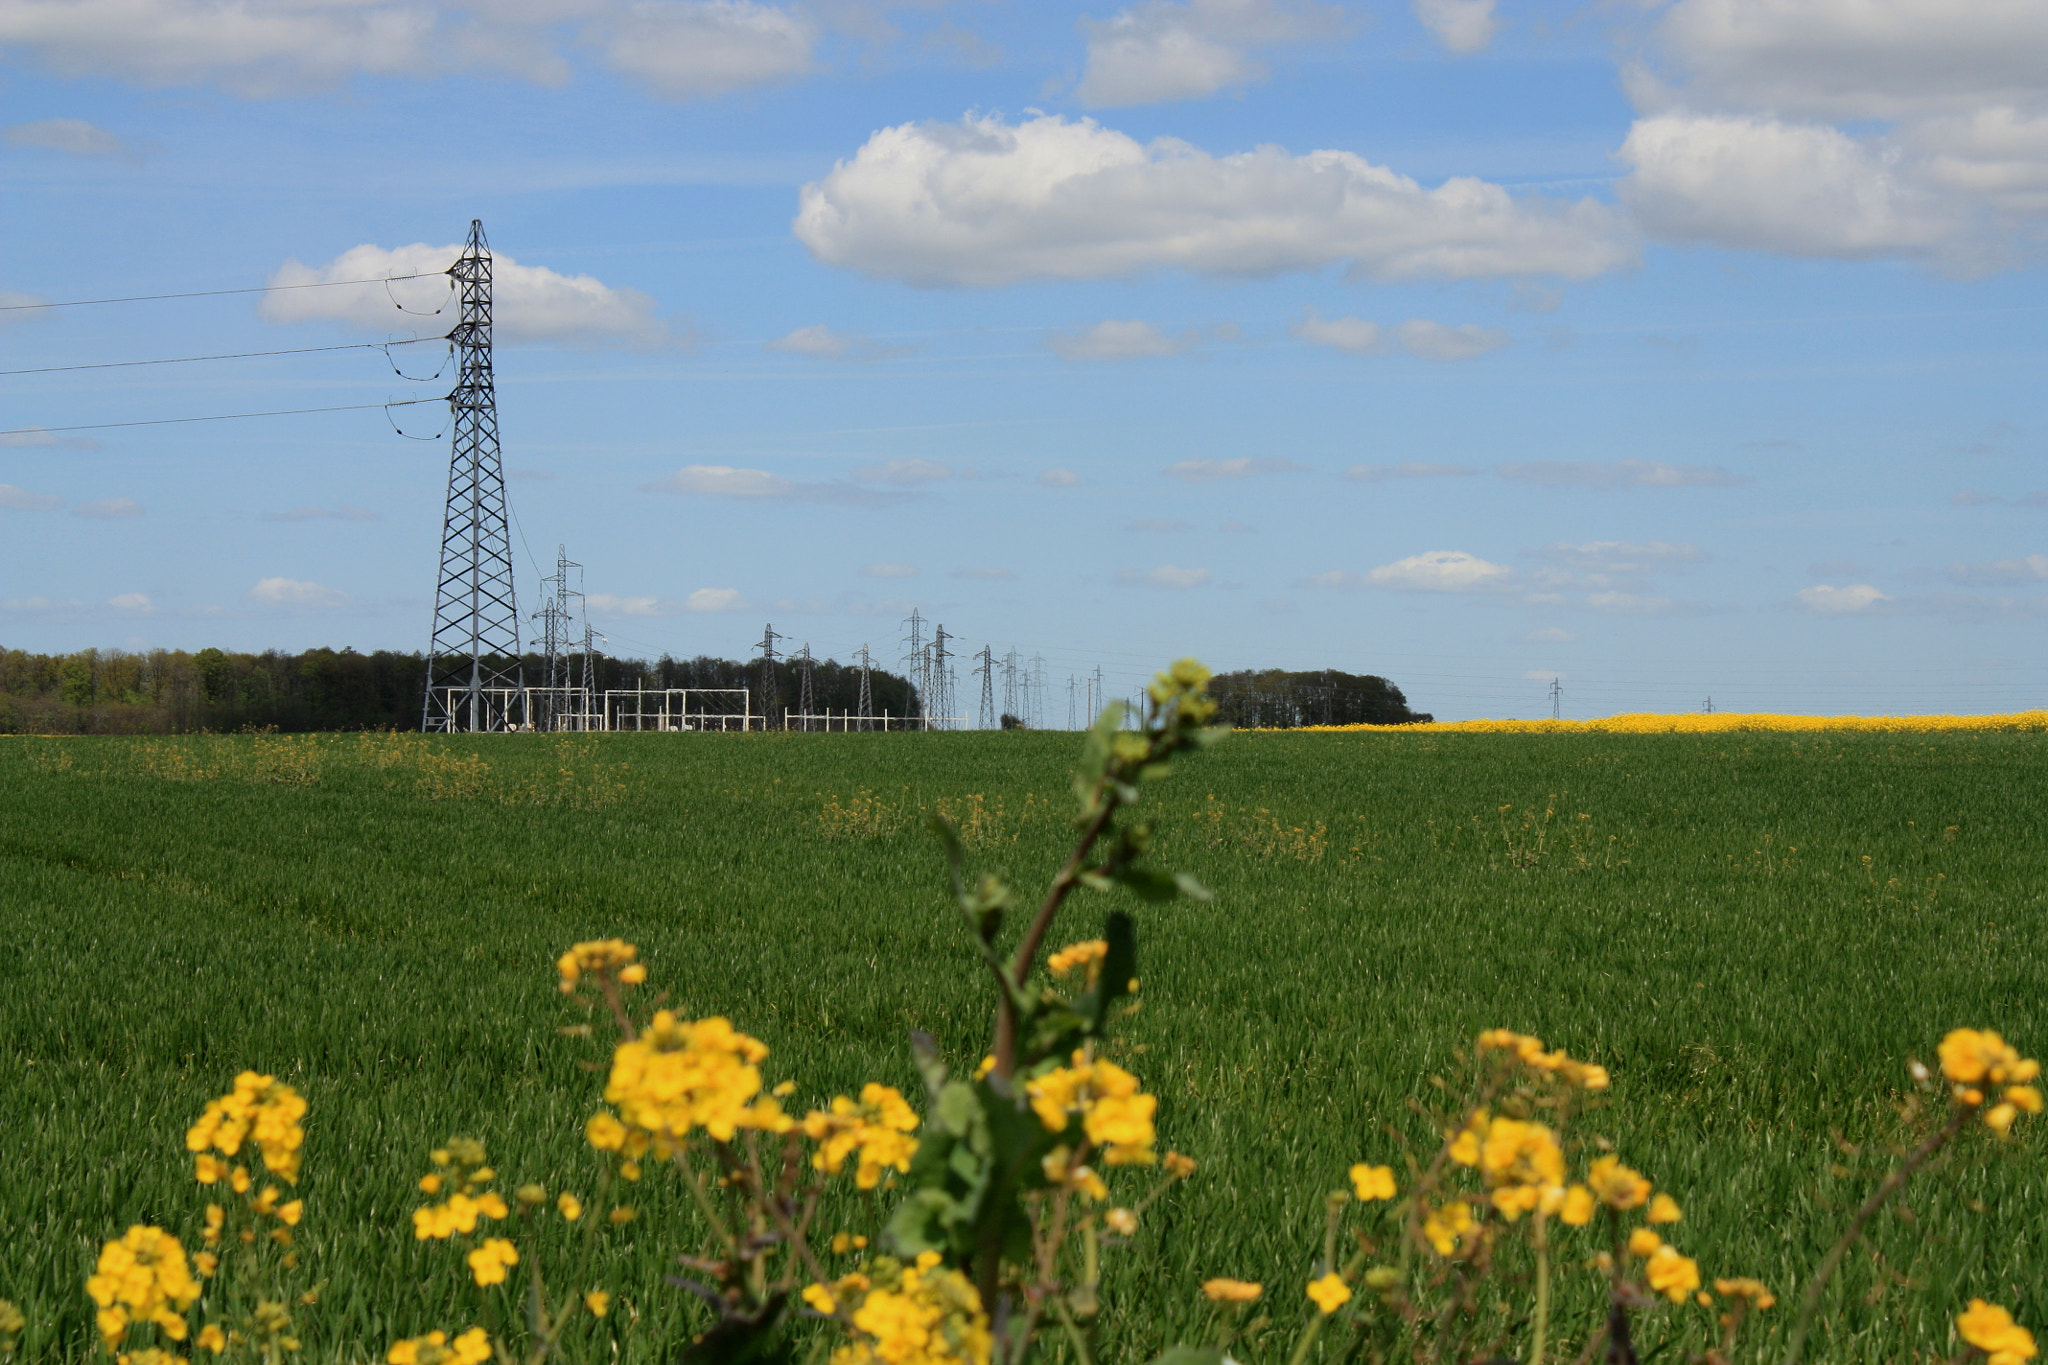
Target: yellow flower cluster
{"x": 1670, "y": 1274}
{"x": 1752, "y": 1292}
{"x": 1521, "y": 1161}
{"x": 459, "y": 1169}
{"x": 1329, "y": 1293}
{"x": 679, "y": 1076}
{"x": 918, "y": 1314}
{"x": 259, "y": 1110}
{"x": 144, "y": 1277}
{"x": 600, "y": 957}
{"x": 1222, "y": 1290}
{"x": 1115, "y": 1114}
{"x": 1088, "y": 955}
{"x": 877, "y": 1127}
{"x": 1372, "y": 1182}
{"x": 1448, "y": 1226}
{"x": 1974, "y": 1058}
{"x": 1721, "y": 722}
{"x": 491, "y": 1260}
{"x": 471, "y": 1348}
{"x": 1529, "y": 1051}
{"x": 1991, "y": 1330}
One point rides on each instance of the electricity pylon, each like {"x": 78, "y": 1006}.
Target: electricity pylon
{"x": 805, "y": 699}
{"x": 867, "y": 691}
{"x": 988, "y": 687}
{"x": 768, "y": 690}
{"x": 474, "y": 678}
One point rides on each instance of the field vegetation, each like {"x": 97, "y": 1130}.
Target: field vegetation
{"x": 1751, "y": 932}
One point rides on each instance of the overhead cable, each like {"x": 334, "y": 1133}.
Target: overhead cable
{"x": 214, "y": 293}
{"x": 223, "y": 417}
{"x": 237, "y": 355}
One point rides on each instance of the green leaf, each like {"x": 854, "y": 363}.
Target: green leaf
{"x": 1119, "y": 965}
{"x": 1149, "y": 883}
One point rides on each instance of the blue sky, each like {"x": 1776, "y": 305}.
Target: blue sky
{"x": 1677, "y": 350}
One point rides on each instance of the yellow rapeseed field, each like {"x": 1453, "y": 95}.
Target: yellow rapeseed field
{"x": 1717, "y": 723}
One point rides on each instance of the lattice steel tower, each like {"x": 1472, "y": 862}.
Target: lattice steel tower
{"x": 474, "y": 680}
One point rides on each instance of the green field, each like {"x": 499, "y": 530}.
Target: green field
{"x": 1753, "y": 932}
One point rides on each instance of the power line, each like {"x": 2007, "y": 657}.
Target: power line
{"x": 223, "y": 417}
{"x": 238, "y": 355}
{"x": 215, "y": 293}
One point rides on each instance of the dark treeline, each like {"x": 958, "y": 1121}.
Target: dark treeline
{"x": 1269, "y": 699}
{"x": 168, "y": 691}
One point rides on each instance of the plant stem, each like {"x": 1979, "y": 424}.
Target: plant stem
{"x": 1542, "y": 1327}
{"x": 1809, "y": 1302}
{"x": 1027, "y": 950}
{"x": 1074, "y": 1332}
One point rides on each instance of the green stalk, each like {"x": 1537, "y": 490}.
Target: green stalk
{"x": 1542, "y": 1327}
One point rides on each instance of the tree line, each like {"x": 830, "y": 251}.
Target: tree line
{"x": 1270, "y": 699}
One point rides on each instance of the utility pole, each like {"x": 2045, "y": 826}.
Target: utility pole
{"x": 917, "y": 666}
{"x": 867, "y": 692}
{"x": 1011, "y": 705}
{"x": 769, "y": 699}
{"x": 474, "y": 677}
{"x": 988, "y": 686}
{"x": 1037, "y": 716}
{"x": 806, "y": 702}
{"x": 1070, "y": 703}
{"x": 941, "y": 679}
{"x": 1557, "y": 698}
{"x": 556, "y": 643}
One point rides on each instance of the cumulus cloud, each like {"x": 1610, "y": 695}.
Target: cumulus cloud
{"x": 108, "y": 509}
{"x": 530, "y": 303}
{"x": 1460, "y": 25}
{"x": 292, "y": 592}
{"x": 1417, "y": 336}
{"x": 1828, "y": 600}
{"x": 984, "y": 202}
{"x": 1160, "y": 50}
{"x": 1244, "y": 466}
{"x": 1165, "y": 576}
{"x": 344, "y": 512}
{"x": 1407, "y": 469}
{"x": 1354, "y": 335}
{"x": 886, "y": 570}
{"x": 2027, "y": 569}
{"x": 131, "y": 602}
{"x": 758, "y": 485}
{"x": 825, "y": 344}
{"x": 1441, "y": 571}
{"x": 73, "y": 135}
{"x": 677, "y": 48}
{"x": 1059, "y": 478}
{"x": 904, "y": 473}
{"x": 1115, "y": 340}
{"x": 22, "y": 500}
{"x": 1619, "y": 474}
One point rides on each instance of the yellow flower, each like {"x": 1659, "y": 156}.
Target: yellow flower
{"x": 622, "y": 1215}
{"x": 606, "y": 1133}
{"x": 600, "y": 956}
{"x": 1446, "y": 1227}
{"x": 207, "y": 1168}
{"x": 598, "y": 1302}
{"x": 875, "y": 1127}
{"x": 1616, "y": 1186}
{"x": 142, "y": 1277}
{"x": 471, "y": 1348}
{"x": 843, "y": 1242}
{"x": 1330, "y": 1293}
{"x": 260, "y": 1110}
{"x": 1969, "y": 1056}
{"x": 571, "y": 1206}
{"x": 1115, "y": 1115}
{"x": 681, "y": 1075}
{"x": 1643, "y": 1242}
{"x": 1518, "y": 1153}
{"x": 1372, "y": 1182}
{"x": 820, "y": 1298}
{"x": 1664, "y": 1209}
{"x": 1232, "y": 1291}
{"x": 212, "y": 1338}
{"x": 1060, "y": 1169}
{"x": 1122, "y": 1222}
{"x": 1742, "y": 1287}
{"x": 923, "y": 1314}
{"x": 206, "y": 1263}
{"x": 430, "y": 1184}
{"x": 1672, "y": 1275}
{"x": 490, "y": 1261}
{"x": 1076, "y": 956}
{"x": 1181, "y": 1167}
{"x": 1991, "y": 1330}
{"x": 1579, "y": 1205}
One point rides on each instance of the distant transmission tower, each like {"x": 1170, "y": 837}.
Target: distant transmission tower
{"x": 867, "y": 691}
{"x": 1557, "y": 698}
{"x": 806, "y": 699}
{"x": 1070, "y": 703}
{"x": 1012, "y": 705}
{"x": 941, "y": 682}
{"x": 474, "y": 678}
{"x": 988, "y": 687}
{"x": 1037, "y": 716}
{"x": 557, "y": 644}
{"x": 769, "y": 699}
{"x": 918, "y": 665}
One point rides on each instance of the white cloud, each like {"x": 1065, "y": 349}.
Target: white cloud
{"x": 2029, "y": 569}
{"x": 715, "y": 599}
{"x": 1619, "y": 474}
{"x": 1165, "y": 576}
{"x": 73, "y": 135}
{"x": 1543, "y": 675}
{"x": 1829, "y": 600}
{"x": 983, "y": 575}
{"x": 1442, "y": 341}
{"x": 1115, "y": 340}
{"x": 529, "y": 303}
{"x": 604, "y": 604}
{"x": 1407, "y": 469}
{"x": 344, "y": 512}
{"x": 712, "y": 47}
{"x": 1759, "y": 184}
{"x": 904, "y": 473}
{"x": 1244, "y": 466}
{"x": 1460, "y": 25}
{"x": 984, "y": 202}
{"x": 1354, "y": 335}
{"x": 1620, "y": 556}
{"x": 1441, "y": 571}
{"x": 108, "y": 509}
{"x": 758, "y": 485}
{"x": 1159, "y": 50}
{"x": 679, "y": 48}
{"x": 822, "y": 342}
{"x": 291, "y": 592}
{"x": 28, "y": 604}
{"x": 131, "y": 601}
{"x": 886, "y": 570}
{"x": 23, "y": 500}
